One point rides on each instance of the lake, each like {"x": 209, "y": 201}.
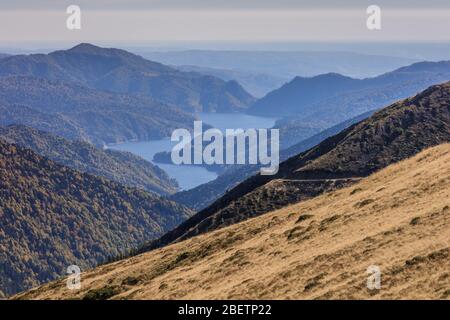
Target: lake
{"x": 189, "y": 177}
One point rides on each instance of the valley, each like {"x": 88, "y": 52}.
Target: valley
{"x": 392, "y": 134}
{"x": 363, "y": 178}
{"x": 396, "y": 219}
{"x": 195, "y": 175}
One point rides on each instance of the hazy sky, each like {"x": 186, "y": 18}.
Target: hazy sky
{"x": 138, "y": 21}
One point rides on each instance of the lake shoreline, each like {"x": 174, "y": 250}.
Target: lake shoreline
{"x": 191, "y": 176}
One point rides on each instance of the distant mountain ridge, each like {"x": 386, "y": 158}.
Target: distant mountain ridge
{"x": 122, "y": 167}
{"x": 123, "y": 72}
{"x": 256, "y": 83}
{"x": 53, "y": 217}
{"x": 390, "y": 135}
{"x": 285, "y": 64}
{"x": 331, "y": 98}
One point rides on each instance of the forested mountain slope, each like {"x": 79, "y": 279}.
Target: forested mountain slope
{"x": 52, "y": 217}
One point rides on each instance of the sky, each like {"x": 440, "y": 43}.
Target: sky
{"x": 26, "y": 22}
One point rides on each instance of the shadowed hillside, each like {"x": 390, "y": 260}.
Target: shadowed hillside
{"x": 122, "y": 167}
{"x": 397, "y": 220}
{"x": 52, "y": 217}
{"x": 96, "y": 116}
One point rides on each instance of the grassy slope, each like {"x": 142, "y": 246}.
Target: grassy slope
{"x": 398, "y": 219}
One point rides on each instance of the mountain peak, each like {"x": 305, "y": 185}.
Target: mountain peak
{"x": 85, "y": 48}
{"x": 325, "y": 76}
{"x": 121, "y": 71}
{"x": 88, "y": 48}
{"x": 429, "y": 66}
{"x": 332, "y": 75}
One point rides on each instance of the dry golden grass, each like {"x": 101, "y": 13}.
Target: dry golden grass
{"x": 398, "y": 219}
